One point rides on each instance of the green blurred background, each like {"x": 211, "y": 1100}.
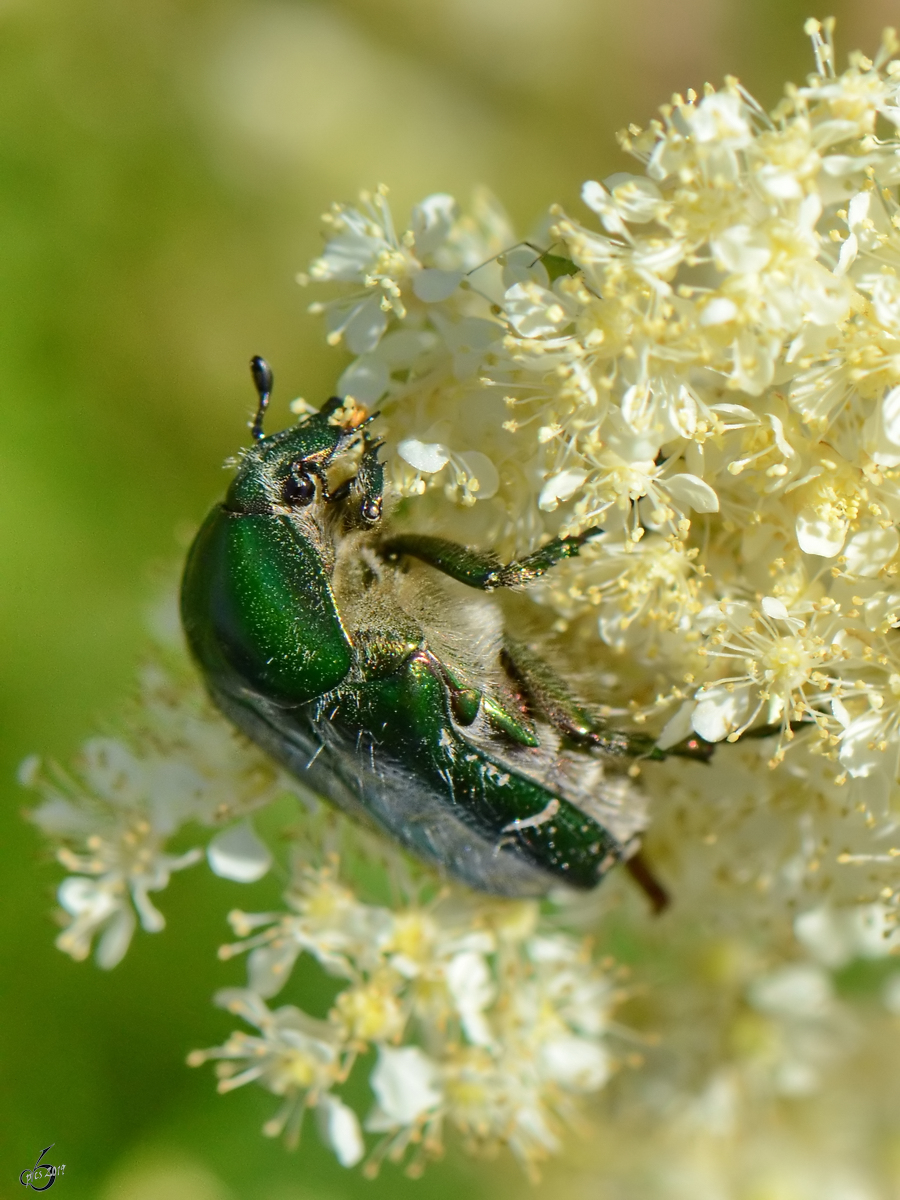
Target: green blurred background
{"x": 164, "y": 164}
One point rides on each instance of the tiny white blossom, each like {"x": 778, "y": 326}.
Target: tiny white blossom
{"x": 339, "y": 1126}
{"x": 293, "y": 1056}
{"x": 404, "y": 1082}
{"x": 237, "y": 853}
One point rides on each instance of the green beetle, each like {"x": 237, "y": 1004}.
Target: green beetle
{"x": 358, "y": 660}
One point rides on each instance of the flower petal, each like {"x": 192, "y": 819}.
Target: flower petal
{"x": 559, "y": 488}
{"x": 339, "y": 1127}
{"x": 366, "y": 380}
{"x": 237, "y": 853}
{"x": 433, "y": 285}
{"x": 427, "y": 457}
{"x": 405, "y": 1084}
{"x": 482, "y": 471}
{"x": 718, "y": 712}
{"x": 820, "y": 535}
{"x": 692, "y": 492}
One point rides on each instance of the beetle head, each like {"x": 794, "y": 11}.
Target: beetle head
{"x": 327, "y": 457}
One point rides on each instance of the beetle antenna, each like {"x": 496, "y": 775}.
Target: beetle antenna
{"x": 263, "y": 380}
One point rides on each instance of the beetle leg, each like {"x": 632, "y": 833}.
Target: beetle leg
{"x": 548, "y": 695}
{"x": 639, "y": 870}
{"x": 369, "y": 484}
{"x": 480, "y": 569}
{"x": 543, "y": 688}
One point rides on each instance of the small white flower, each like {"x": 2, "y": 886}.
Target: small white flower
{"x": 293, "y": 1056}
{"x": 406, "y": 1085}
{"x": 433, "y": 285}
{"x": 801, "y": 990}
{"x": 886, "y": 440}
{"x": 718, "y": 311}
{"x": 819, "y": 534}
{"x": 870, "y": 550}
{"x": 837, "y": 936}
{"x": 95, "y": 907}
{"x": 536, "y": 312}
{"x": 575, "y": 1063}
{"x": 427, "y": 457}
{"x": 637, "y": 198}
{"x": 365, "y": 380}
{"x": 124, "y": 871}
{"x": 691, "y": 493}
{"x": 473, "y": 990}
{"x": 860, "y": 752}
{"x": 719, "y": 711}
{"x": 560, "y": 487}
{"x": 741, "y": 249}
{"x": 339, "y": 1126}
{"x": 237, "y": 853}
{"x": 721, "y": 118}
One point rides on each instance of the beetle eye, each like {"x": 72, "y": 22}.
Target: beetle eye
{"x": 299, "y": 489}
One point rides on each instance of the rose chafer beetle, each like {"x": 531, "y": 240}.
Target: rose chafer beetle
{"x": 363, "y": 662}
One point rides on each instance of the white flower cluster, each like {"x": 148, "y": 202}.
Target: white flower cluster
{"x": 482, "y": 1021}
{"x": 710, "y": 376}
{"x": 116, "y": 812}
